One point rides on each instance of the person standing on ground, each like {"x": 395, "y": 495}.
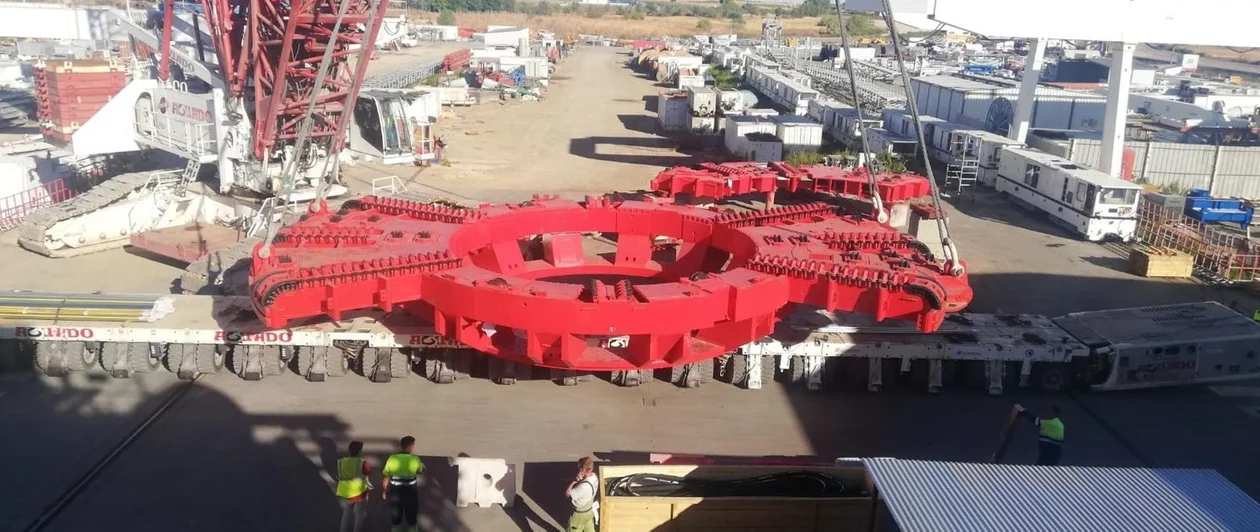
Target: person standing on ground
{"x": 581, "y": 493}
{"x": 1050, "y": 436}
{"x": 352, "y": 488}
{"x": 401, "y": 473}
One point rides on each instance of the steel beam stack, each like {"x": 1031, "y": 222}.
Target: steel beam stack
{"x": 68, "y": 93}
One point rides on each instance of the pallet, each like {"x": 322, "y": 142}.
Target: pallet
{"x": 1160, "y": 262}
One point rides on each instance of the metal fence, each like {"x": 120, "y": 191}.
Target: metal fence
{"x": 404, "y": 77}
{"x": 1225, "y": 171}
{"x": 15, "y": 208}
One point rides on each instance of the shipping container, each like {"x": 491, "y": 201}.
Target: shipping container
{"x": 671, "y": 111}
{"x": 880, "y": 140}
{"x": 702, "y": 101}
{"x": 736, "y": 127}
{"x": 798, "y": 133}
{"x": 761, "y": 148}
{"x": 731, "y": 102}
{"x": 703, "y": 125}
{"x": 685, "y": 81}
{"x": 757, "y": 111}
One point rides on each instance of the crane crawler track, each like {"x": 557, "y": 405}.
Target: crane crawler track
{"x": 33, "y": 234}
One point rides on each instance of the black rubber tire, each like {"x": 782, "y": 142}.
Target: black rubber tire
{"x": 769, "y": 369}
{"x": 737, "y": 370}
{"x": 564, "y": 377}
{"x": 374, "y": 364}
{"x": 111, "y": 353}
{"x": 626, "y": 379}
{"x": 140, "y": 358}
{"x": 399, "y": 363}
{"x": 272, "y": 364}
{"x": 86, "y": 358}
{"x": 502, "y": 371}
{"x": 437, "y": 368}
{"x": 306, "y": 360}
{"x": 1052, "y": 376}
{"x": 211, "y": 359}
{"x": 175, "y": 356}
{"x": 50, "y": 358}
{"x": 338, "y": 363}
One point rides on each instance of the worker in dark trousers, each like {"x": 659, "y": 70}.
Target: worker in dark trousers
{"x": 352, "y": 488}
{"x": 401, "y": 473}
{"x": 581, "y": 493}
{"x": 1050, "y": 434}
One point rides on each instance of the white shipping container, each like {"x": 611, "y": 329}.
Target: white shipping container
{"x": 732, "y": 102}
{"x": 798, "y": 133}
{"x": 762, "y": 149}
{"x": 753, "y": 111}
{"x": 690, "y": 81}
{"x": 703, "y": 125}
{"x": 671, "y": 113}
{"x": 702, "y": 101}
{"x": 535, "y": 67}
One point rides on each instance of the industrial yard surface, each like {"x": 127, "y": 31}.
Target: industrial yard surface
{"x": 235, "y": 455}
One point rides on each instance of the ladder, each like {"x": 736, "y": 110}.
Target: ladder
{"x": 963, "y": 169}
{"x": 190, "y": 174}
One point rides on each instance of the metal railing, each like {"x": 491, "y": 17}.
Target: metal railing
{"x": 388, "y": 186}
{"x": 404, "y": 77}
{"x": 15, "y": 208}
{"x": 192, "y": 140}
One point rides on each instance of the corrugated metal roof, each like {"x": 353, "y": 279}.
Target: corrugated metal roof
{"x": 947, "y": 496}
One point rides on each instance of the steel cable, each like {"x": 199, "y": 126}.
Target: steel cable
{"x": 289, "y": 172}
{"x": 951, "y": 252}
{"x": 803, "y": 484}
{"x": 877, "y": 203}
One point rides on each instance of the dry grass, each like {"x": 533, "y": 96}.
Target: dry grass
{"x": 569, "y": 26}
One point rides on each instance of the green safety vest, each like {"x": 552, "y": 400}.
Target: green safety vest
{"x": 350, "y": 480}
{"x": 402, "y": 466}
{"x": 1256, "y": 316}
{"x": 1052, "y": 430}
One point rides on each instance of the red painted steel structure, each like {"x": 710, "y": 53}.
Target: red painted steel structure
{"x": 515, "y": 281}
{"x": 269, "y": 54}
{"x": 713, "y": 180}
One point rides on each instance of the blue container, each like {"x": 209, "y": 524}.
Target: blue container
{"x": 1211, "y": 210}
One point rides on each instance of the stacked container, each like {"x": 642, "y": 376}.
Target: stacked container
{"x": 68, "y": 93}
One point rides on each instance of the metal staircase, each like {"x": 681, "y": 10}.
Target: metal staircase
{"x": 190, "y": 174}
{"x": 963, "y": 169}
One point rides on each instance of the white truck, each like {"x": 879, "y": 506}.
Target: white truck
{"x": 193, "y": 335}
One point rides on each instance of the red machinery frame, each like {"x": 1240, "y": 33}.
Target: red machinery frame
{"x": 678, "y": 284}
{"x": 269, "y": 54}
{"x": 717, "y": 181}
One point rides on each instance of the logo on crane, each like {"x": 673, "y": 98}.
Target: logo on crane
{"x": 162, "y": 105}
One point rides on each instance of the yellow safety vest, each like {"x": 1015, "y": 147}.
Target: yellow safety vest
{"x": 402, "y": 466}
{"x": 350, "y": 480}
{"x": 1051, "y": 430}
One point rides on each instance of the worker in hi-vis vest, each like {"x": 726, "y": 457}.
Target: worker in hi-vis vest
{"x": 1050, "y": 434}
{"x": 401, "y": 473}
{"x": 352, "y": 488}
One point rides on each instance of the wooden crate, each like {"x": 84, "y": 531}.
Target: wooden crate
{"x": 746, "y": 514}
{"x": 1160, "y": 262}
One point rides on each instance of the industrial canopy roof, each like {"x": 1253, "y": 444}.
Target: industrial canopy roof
{"x": 949, "y": 496}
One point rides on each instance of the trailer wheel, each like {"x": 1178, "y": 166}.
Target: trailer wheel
{"x": 564, "y": 377}
{"x": 142, "y": 359}
{"x": 627, "y": 379}
{"x": 437, "y": 367}
{"x": 313, "y": 364}
{"x": 211, "y": 359}
{"x": 50, "y": 358}
{"x": 174, "y": 357}
{"x": 84, "y": 357}
{"x": 272, "y": 359}
{"x": 1051, "y": 376}
{"x": 374, "y": 364}
{"x": 502, "y": 371}
{"x": 399, "y": 364}
{"x": 112, "y": 354}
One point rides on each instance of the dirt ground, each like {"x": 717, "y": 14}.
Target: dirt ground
{"x": 590, "y": 134}
{"x": 235, "y": 455}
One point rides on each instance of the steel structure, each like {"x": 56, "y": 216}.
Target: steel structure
{"x": 682, "y": 284}
{"x": 269, "y": 56}
{"x": 717, "y": 181}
